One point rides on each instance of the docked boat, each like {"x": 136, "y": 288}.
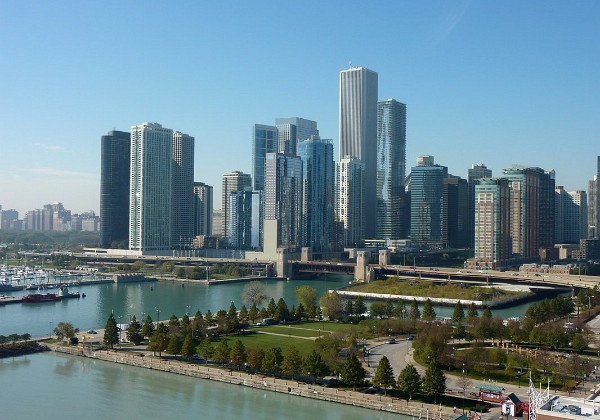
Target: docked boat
{"x": 64, "y": 293}
{"x": 41, "y": 298}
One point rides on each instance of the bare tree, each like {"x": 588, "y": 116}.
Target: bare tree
{"x": 254, "y": 293}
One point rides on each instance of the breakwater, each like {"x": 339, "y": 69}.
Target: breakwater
{"x": 290, "y": 387}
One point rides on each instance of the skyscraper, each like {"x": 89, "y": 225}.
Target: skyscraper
{"x": 358, "y": 132}
{"x": 492, "y": 223}
{"x": 570, "y": 216}
{"x": 391, "y": 164}
{"x": 349, "y": 207}
{"x": 455, "y": 233}
{"x": 243, "y": 230}
{"x": 292, "y": 131}
{"x": 283, "y": 199}
{"x": 182, "y": 202}
{"x": 475, "y": 173}
{"x": 318, "y": 193}
{"x": 264, "y": 140}
{"x": 593, "y": 208}
{"x": 115, "y": 161}
{"x": 531, "y": 209}
{"x": 427, "y": 203}
{"x": 203, "y": 209}
{"x": 151, "y": 188}
{"x": 232, "y": 183}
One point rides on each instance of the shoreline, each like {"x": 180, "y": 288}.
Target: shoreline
{"x": 261, "y": 382}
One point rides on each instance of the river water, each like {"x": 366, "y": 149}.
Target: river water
{"x": 56, "y": 386}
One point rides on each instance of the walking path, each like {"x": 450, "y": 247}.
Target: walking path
{"x": 291, "y": 387}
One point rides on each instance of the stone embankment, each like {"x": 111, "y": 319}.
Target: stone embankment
{"x": 376, "y": 402}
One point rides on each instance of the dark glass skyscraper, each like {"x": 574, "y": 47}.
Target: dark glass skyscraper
{"x": 318, "y": 193}
{"x": 391, "y": 163}
{"x": 114, "y": 189}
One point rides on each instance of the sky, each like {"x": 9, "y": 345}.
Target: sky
{"x": 494, "y": 82}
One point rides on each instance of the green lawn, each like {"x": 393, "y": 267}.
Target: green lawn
{"x": 289, "y": 330}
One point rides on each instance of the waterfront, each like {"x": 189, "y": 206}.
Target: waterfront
{"x": 169, "y": 297}
{"x": 57, "y": 386}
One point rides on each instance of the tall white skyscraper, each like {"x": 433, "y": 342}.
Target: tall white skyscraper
{"x": 358, "y": 132}
{"x": 161, "y": 205}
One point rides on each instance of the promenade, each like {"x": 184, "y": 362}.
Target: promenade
{"x": 375, "y": 402}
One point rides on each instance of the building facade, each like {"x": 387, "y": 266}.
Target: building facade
{"x": 358, "y": 133}
{"x": 349, "y": 207}
{"x": 391, "y": 168}
{"x": 115, "y": 161}
{"x": 455, "y": 233}
{"x": 318, "y": 196}
{"x": 492, "y": 223}
{"x": 182, "y": 201}
{"x": 264, "y": 140}
{"x": 283, "y": 199}
{"x": 233, "y": 182}
{"x": 243, "y": 231}
{"x": 427, "y": 204}
{"x": 151, "y": 188}
{"x": 203, "y": 209}
{"x": 570, "y": 216}
{"x": 475, "y": 173}
{"x": 292, "y": 131}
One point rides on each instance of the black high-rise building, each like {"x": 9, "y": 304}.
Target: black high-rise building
{"x": 114, "y": 189}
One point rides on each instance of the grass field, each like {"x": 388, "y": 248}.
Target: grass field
{"x": 267, "y": 341}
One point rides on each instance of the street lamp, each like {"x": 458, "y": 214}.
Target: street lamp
{"x": 187, "y": 310}
{"x": 590, "y": 305}
{"x": 157, "y": 316}
{"x": 463, "y": 387}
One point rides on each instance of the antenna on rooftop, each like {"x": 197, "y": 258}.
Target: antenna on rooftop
{"x": 350, "y": 64}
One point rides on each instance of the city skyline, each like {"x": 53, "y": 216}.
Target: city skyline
{"x": 499, "y": 84}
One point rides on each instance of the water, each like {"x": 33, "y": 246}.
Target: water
{"x": 139, "y": 299}
{"x": 56, "y": 386}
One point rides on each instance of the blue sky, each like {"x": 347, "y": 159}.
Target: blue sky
{"x": 499, "y": 82}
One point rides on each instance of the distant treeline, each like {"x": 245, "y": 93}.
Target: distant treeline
{"x": 20, "y": 349}
{"x": 36, "y": 240}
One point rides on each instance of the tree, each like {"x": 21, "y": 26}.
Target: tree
{"x": 205, "y": 349}
{"x": 434, "y": 382}
{"x": 273, "y": 359}
{"x": 349, "y": 307}
{"x": 332, "y": 305}
{"x": 243, "y": 315}
{"x": 253, "y": 313}
{"x": 222, "y": 352}
{"x": 359, "y": 306}
{"x": 428, "y": 311}
{"x": 187, "y": 349}
{"x": 174, "y": 346}
{"x": 300, "y": 312}
{"x": 487, "y": 313}
{"x": 400, "y": 309}
{"x": 314, "y": 365}
{"x": 65, "y": 330}
{"x": 459, "y": 313}
{"x": 134, "y": 331}
{"x": 185, "y": 325}
{"x": 472, "y": 312}
{"x": 409, "y": 380}
{"x": 148, "y": 327}
{"x": 111, "y": 332}
{"x": 414, "y": 313}
{"x": 306, "y": 295}
{"x": 159, "y": 340}
{"x": 292, "y": 362}
{"x": 197, "y": 325}
{"x": 384, "y": 375}
{"x": 255, "y": 358}
{"x": 378, "y": 309}
{"x": 352, "y": 371}
{"x": 282, "y": 312}
{"x": 238, "y": 353}
{"x": 271, "y": 308}
{"x": 254, "y": 293}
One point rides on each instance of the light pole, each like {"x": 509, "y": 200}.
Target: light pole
{"x": 187, "y": 310}
{"x": 590, "y": 305}
{"x": 157, "y": 316}
{"x": 463, "y": 387}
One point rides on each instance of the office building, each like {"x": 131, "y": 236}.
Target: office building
{"x": 8, "y": 218}
{"x": 358, "y": 133}
{"x": 151, "y": 188}
{"x": 531, "y": 209}
{"x": 115, "y": 161}
{"x": 292, "y": 131}
{"x": 283, "y": 201}
{"x": 349, "y": 200}
{"x": 203, "y": 209}
{"x": 455, "y": 233}
{"x": 264, "y": 140}
{"x": 475, "y": 173}
{"x": 570, "y": 216}
{"x": 492, "y": 223}
{"x": 391, "y": 168}
{"x": 182, "y": 201}
{"x": 427, "y": 203}
{"x": 243, "y": 229}
{"x": 593, "y": 208}
{"x": 233, "y": 182}
{"x": 318, "y": 195}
